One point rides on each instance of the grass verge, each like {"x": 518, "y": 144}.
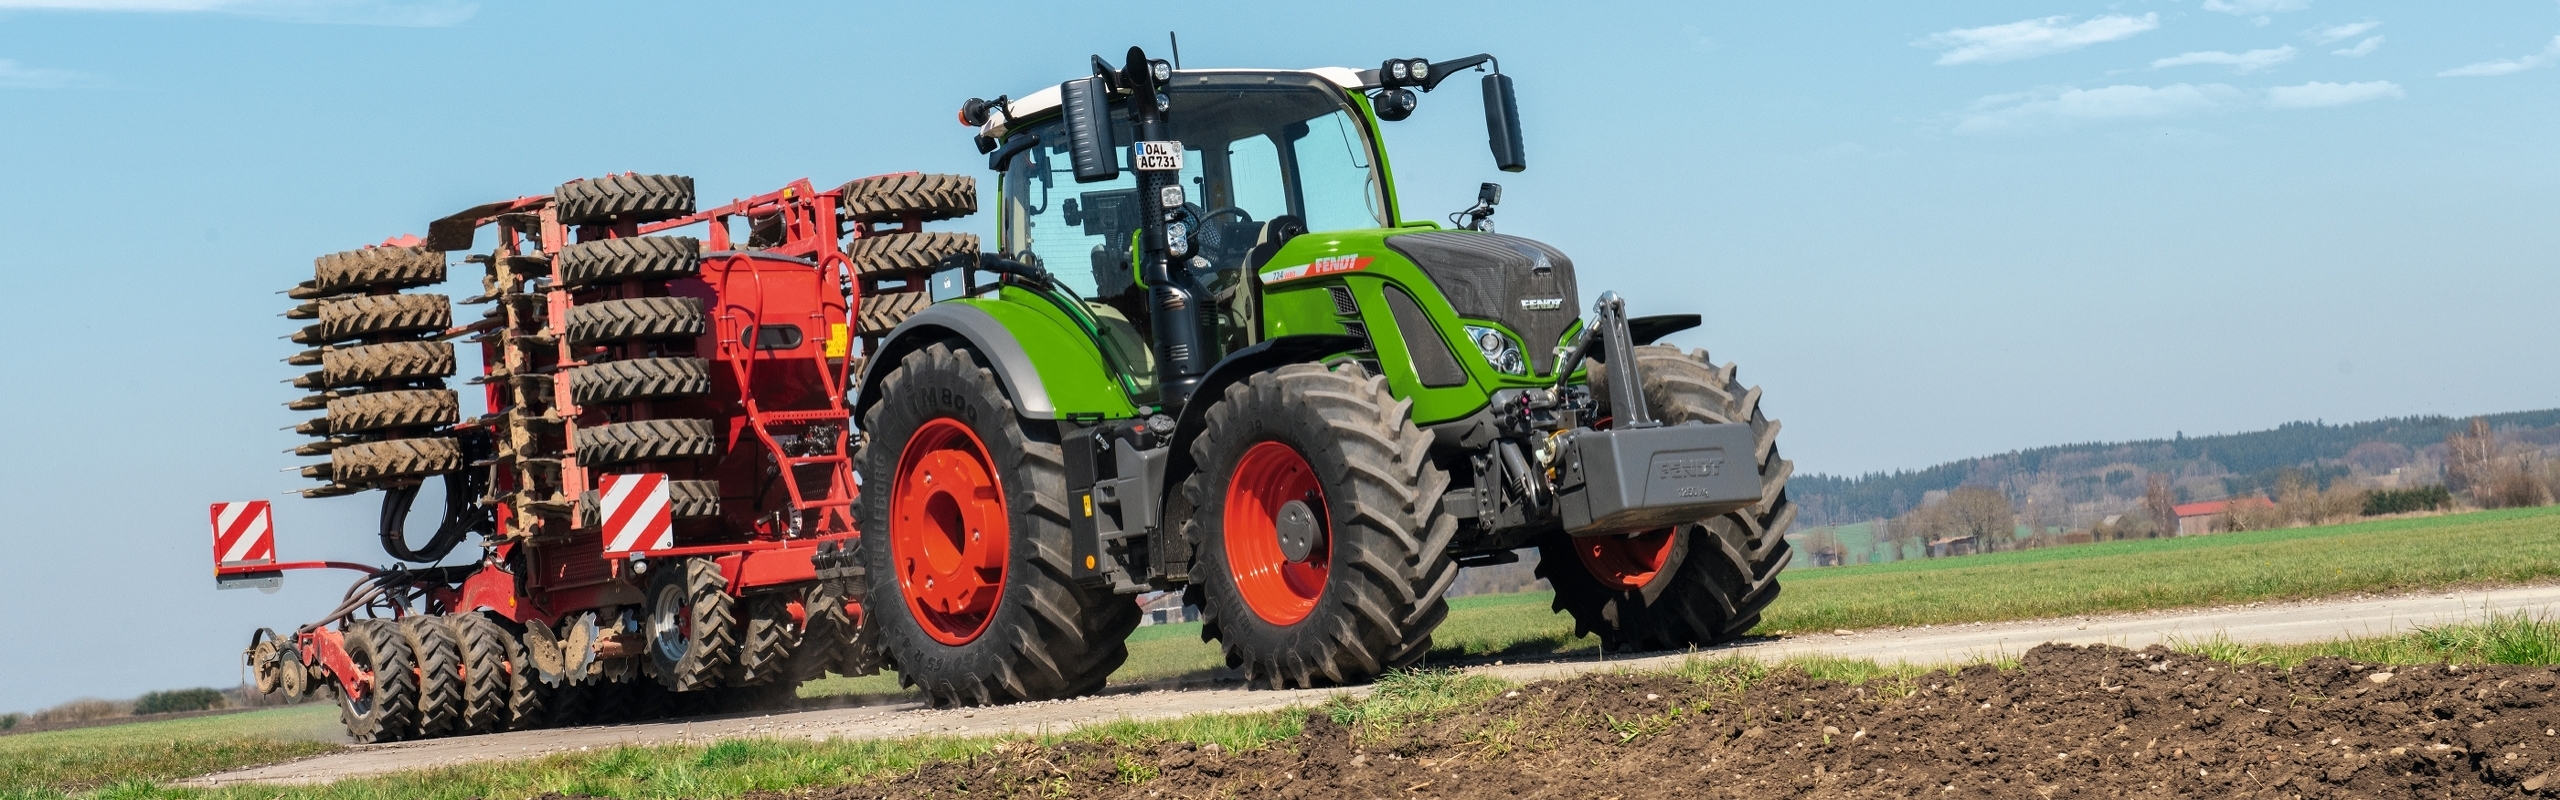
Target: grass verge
{"x": 51, "y": 763}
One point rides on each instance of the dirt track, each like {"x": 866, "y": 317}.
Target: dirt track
{"x": 2272, "y": 623}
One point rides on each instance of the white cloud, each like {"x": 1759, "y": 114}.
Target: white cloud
{"x": 2328, "y": 34}
{"x": 2362, "y": 49}
{"x": 13, "y": 76}
{"x": 2031, "y": 38}
{"x": 2321, "y": 94}
{"x": 402, "y": 13}
{"x": 2508, "y": 66}
{"x": 2050, "y": 109}
{"x": 2256, "y": 10}
{"x": 2243, "y": 63}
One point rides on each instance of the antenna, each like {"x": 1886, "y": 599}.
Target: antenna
{"x": 1177, "y": 48}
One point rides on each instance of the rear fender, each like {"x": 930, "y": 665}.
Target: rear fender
{"x": 1046, "y": 365}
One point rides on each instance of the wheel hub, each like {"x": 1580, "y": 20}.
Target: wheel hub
{"x": 948, "y": 531}
{"x": 1626, "y": 563}
{"x": 1278, "y": 545}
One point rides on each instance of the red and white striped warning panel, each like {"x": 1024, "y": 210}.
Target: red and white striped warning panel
{"x": 244, "y": 534}
{"x": 637, "y": 517}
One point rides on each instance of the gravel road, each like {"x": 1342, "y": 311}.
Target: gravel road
{"x": 2272, "y": 623}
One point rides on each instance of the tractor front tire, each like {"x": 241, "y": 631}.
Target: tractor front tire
{"x": 968, "y": 545}
{"x": 388, "y": 713}
{"x": 1696, "y": 584}
{"x": 1320, "y": 540}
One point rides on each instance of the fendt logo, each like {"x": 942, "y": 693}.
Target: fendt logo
{"x": 1323, "y": 266}
{"x": 1541, "y": 303}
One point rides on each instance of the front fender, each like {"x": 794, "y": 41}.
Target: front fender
{"x": 1235, "y": 368}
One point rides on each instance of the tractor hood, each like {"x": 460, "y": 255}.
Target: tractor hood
{"x": 1523, "y": 284}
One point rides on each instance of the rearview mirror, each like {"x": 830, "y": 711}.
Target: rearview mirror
{"x": 1502, "y": 123}
{"x": 1086, "y": 105}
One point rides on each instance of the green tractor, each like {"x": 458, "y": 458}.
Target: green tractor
{"x": 1211, "y": 354}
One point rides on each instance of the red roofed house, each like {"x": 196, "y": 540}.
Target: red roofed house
{"x": 2195, "y": 519}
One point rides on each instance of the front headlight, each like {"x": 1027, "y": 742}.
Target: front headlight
{"x": 1498, "y": 350}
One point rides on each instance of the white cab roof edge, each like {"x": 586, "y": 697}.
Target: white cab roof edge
{"x": 1046, "y": 99}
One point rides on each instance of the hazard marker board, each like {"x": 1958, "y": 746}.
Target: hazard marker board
{"x": 637, "y": 515}
{"x": 244, "y": 535}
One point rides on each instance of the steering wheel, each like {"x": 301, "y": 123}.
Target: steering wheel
{"x": 1213, "y": 237}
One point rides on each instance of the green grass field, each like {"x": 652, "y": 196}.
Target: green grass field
{"x": 38, "y": 764}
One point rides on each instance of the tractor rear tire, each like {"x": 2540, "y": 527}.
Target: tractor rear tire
{"x": 486, "y": 673}
{"x": 636, "y": 198}
{"x": 881, "y": 312}
{"x": 439, "y": 661}
{"x": 766, "y": 641}
{"x": 1007, "y": 621}
{"x": 375, "y": 363}
{"x": 375, "y": 315}
{"x": 1706, "y": 582}
{"x": 891, "y": 197}
{"x": 636, "y": 318}
{"x": 630, "y": 258}
{"x": 1335, "y": 436}
{"x": 639, "y": 378}
{"x": 365, "y": 462}
{"x": 900, "y": 253}
{"x": 373, "y": 411}
{"x": 692, "y": 627}
{"x": 390, "y": 712}
{"x": 377, "y": 268}
{"x": 647, "y": 440}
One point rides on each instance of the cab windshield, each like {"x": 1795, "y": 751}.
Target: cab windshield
{"x": 1261, "y": 151}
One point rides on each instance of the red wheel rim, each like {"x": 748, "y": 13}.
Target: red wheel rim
{"x": 1279, "y": 591}
{"x": 1625, "y": 563}
{"x": 948, "y": 533}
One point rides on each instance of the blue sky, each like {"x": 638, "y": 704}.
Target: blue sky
{"x": 1929, "y": 230}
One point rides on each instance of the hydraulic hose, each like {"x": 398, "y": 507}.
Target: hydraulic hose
{"x": 460, "y": 518}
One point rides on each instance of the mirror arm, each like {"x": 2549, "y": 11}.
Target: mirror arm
{"x": 1012, "y": 147}
{"x": 1441, "y": 70}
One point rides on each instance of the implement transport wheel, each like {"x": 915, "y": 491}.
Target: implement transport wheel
{"x": 1322, "y": 545}
{"x": 490, "y": 682}
{"x": 389, "y": 712}
{"x": 439, "y": 662}
{"x": 634, "y": 198}
{"x": 968, "y": 545}
{"x": 1690, "y": 585}
{"x": 769, "y": 635}
{"x": 692, "y": 625}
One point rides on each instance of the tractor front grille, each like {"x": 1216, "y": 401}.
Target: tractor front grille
{"x": 1522, "y": 284}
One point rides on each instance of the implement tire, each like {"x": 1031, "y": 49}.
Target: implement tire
{"x": 892, "y": 197}
{"x": 647, "y": 440}
{"x": 390, "y": 712}
{"x": 692, "y": 626}
{"x": 439, "y": 674}
{"x": 373, "y": 411}
{"x": 639, "y": 378}
{"x": 1696, "y": 584}
{"x": 365, "y": 462}
{"x": 636, "y": 318}
{"x": 881, "y": 312}
{"x": 908, "y": 252}
{"x": 766, "y": 641}
{"x": 375, "y": 363}
{"x": 948, "y": 465}
{"x": 630, "y": 258}
{"x": 377, "y": 268}
{"x": 1322, "y": 546}
{"x": 638, "y": 198}
{"x": 376, "y": 315}
{"x": 485, "y": 672}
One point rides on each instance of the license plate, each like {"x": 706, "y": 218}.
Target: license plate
{"x": 1159, "y": 157}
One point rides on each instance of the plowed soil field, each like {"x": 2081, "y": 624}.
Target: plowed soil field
{"x": 2068, "y": 721}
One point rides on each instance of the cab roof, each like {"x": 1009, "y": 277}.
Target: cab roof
{"x": 1040, "y": 103}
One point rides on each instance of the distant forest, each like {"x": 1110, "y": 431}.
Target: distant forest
{"x": 2213, "y": 466}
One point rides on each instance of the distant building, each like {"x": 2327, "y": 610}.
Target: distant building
{"x": 1163, "y": 608}
{"x": 2211, "y": 516}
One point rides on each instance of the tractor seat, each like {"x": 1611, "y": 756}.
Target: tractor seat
{"x": 1275, "y": 233}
